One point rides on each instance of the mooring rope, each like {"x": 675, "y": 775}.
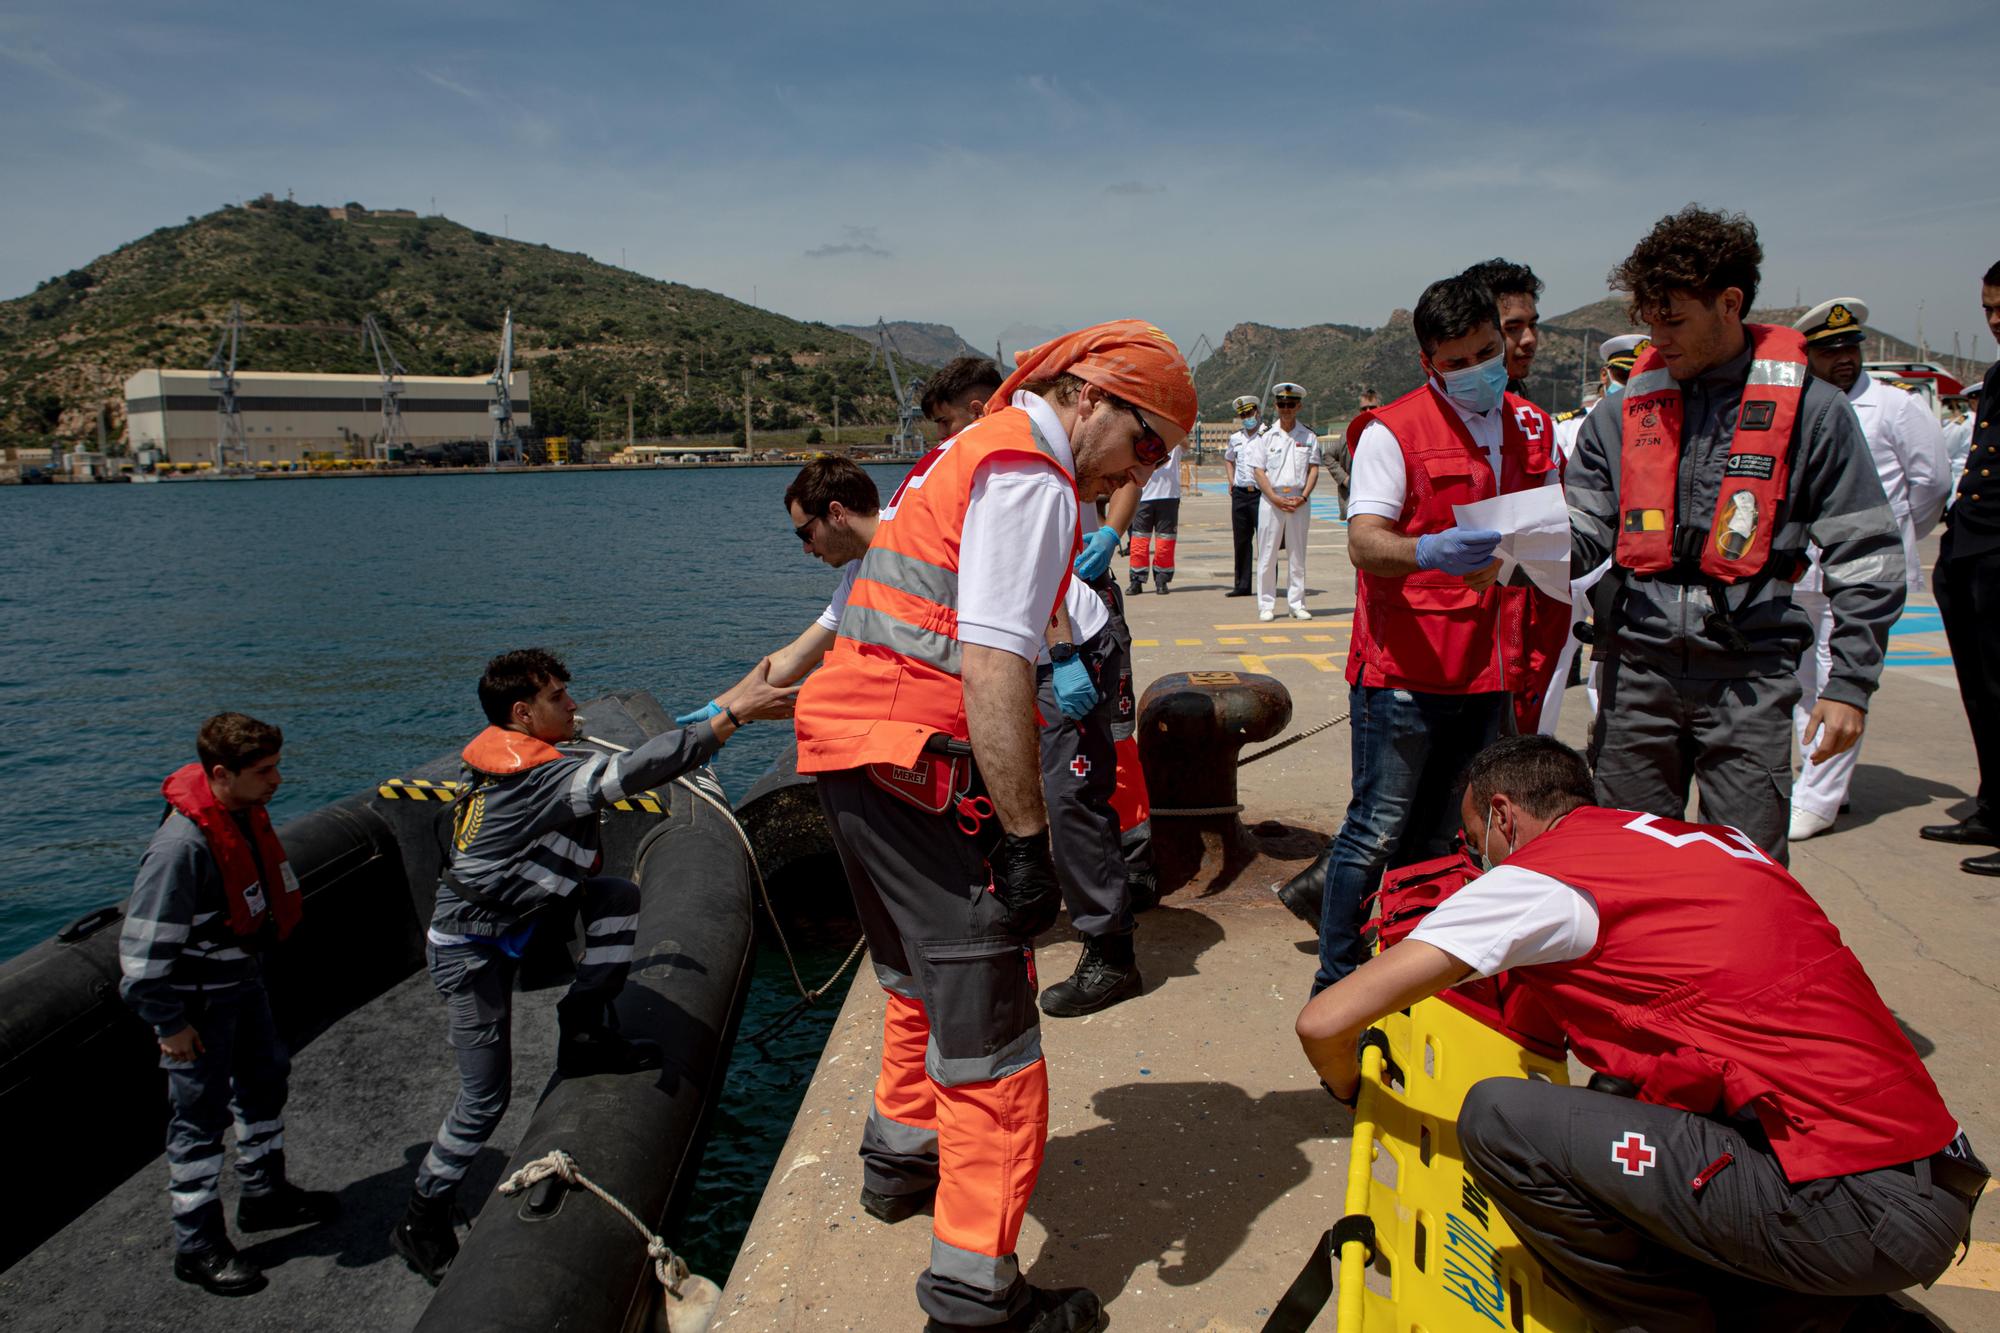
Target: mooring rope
{"x": 670, "y": 1268}
{"x": 1291, "y": 740}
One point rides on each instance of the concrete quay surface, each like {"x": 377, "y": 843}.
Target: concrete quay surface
{"x": 1192, "y": 1157}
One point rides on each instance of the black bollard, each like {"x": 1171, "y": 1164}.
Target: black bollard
{"x": 1192, "y": 726}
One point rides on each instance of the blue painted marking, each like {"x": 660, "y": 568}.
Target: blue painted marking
{"x": 1917, "y": 620}
{"x": 1472, "y": 1269}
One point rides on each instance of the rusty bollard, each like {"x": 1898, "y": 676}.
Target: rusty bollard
{"x": 1192, "y": 725}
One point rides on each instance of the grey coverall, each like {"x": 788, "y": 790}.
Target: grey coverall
{"x": 1678, "y": 703}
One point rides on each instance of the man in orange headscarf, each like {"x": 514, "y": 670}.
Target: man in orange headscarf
{"x": 921, "y": 729}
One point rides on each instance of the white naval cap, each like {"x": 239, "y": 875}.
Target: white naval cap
{"x": 1280, "y": 392}
{"x": 1623, "y": 351}
{"x": 1834, "y": 323}
{"x": 1246, "y": 404}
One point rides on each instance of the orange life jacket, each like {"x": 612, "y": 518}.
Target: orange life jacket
{"x": 892, "y": 680}
{"x": 250, "y": 899}
{"x": 1738, "y": 544}
{"x": 502, "y": 752}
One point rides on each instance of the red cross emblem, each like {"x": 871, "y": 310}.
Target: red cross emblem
{"x": 1080, "y": 766}
{"x": 1124, "y": 703}
{"x": 1530, "y": 422}
{"x": 1632, "y": 1154}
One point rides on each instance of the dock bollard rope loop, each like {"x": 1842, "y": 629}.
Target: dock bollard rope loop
{"x": 670, "y": 1268}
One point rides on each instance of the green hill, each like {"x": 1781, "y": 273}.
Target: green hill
{"x": 590, "y": 334}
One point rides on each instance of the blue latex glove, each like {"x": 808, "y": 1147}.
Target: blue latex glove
{"x": 1457, "y": 550}
{"x": 701, "y": 714}
{"x": 1095, "y": 557}
{"x": 1076, "y": 692}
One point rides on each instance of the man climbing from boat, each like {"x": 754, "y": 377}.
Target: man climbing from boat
{"x": 921, "y": 729}
{"x": 525, "y": 838}
{"x": 1760, "y": 1147}
{"x": 214, "y": 890}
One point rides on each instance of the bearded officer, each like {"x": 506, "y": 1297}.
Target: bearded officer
{"x": 1244, "y": 497}
{"x": 1907, "y": 446}
{"x": 921, "y": 729}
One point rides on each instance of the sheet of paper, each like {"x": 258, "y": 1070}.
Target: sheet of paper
{"x": 1534, "y": 535}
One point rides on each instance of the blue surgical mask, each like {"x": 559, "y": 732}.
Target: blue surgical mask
{"x": 1476, "y": 388}
{"x": 1249, "y": 423}
{"x": 1613, "y": 389}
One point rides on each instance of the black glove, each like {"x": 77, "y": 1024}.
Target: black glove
{"x": 1024, "y": 879}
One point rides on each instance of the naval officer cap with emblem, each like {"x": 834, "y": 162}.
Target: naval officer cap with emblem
{"x": 1287, "y": 394}
{"x": 1246, "y": 405}
{"x": 1622, "y": 353}
{"x": 1835, "y": 323}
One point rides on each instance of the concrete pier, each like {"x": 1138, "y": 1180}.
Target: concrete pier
{"x": 1193, "y": 1158}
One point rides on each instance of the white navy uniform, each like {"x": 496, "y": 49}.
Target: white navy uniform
{"x": 1286, "y": 459}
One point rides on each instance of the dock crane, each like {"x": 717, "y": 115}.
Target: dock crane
{"x": 229, "y": 438}
{"x": 394, "y": 436}
{"x": 909, "y": 438}
{"x": 505, "y": 440}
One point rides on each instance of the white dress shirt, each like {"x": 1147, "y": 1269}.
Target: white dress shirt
{"x": 1907, "y": 445}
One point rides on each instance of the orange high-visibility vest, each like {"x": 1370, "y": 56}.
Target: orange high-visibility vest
{"x": 892, "y": 680}
{"x": 1738, "y": 543}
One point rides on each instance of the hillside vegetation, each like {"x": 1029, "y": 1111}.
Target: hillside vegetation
{"x": 590, "y": 334}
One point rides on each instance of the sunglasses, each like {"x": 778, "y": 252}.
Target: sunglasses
{"x": 804, "y": 532}
{"x": 1150, "y": 448}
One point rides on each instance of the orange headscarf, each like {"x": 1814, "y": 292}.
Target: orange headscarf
{"x": 1128, "y": 357}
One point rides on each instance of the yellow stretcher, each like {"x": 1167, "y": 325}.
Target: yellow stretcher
{"x": 1450, "y": 1262}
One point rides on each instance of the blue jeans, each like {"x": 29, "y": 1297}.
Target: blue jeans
{"x": 1409, "y": 749}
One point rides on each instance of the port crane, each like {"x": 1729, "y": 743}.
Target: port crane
{"x": 229, "y": 438}
{"x": 909, "y": 438}
{"x": 394, "y": 435}
{"x": 505, "y": 441}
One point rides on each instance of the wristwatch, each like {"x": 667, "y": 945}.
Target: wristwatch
{"x": 1061, "y": 652}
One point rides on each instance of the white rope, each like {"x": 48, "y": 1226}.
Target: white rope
{"x": 670, "y": 1268}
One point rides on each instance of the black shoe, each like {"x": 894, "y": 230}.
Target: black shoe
{"x": 1237, "y": 592}
{"x": 1304, "y": 894}
{"x": 584, "y": 1051}
{"x": 220, "y": 1270}
{"x": 425, "y": 1237}
{"x": 1138, "y": 586}
{"x": 285, "y": 1206}
{"x": 893, "y": 1208}
{"x": 1981, "y": 865}
{"x": 1105, "y": 975}
{"x": 1161, "y": 588}
{"x": 1049, "y": 1310}
{"x": 1975, "y": 832}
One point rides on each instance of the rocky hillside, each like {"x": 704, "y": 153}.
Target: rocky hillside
{"x": 930, "y": 344}
{"x": 591, "y": 334}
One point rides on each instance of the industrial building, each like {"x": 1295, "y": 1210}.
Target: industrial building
{"x": 285, "y": 416}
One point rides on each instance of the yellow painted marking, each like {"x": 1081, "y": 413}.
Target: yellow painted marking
{"x": 1320, "y": 661}
{"x": 1320, "y": 638}
{"x": 1275, "y": 638}
{"x": 1980, "y": 1271}
{"x": 1346, "y": 623}
{"x": 1145, "y": 643}
{"x": 1187, "y": 643}
{"x": 1237, "y": 641}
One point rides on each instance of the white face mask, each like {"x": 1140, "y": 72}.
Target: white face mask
{"x": 1486, "y": 863}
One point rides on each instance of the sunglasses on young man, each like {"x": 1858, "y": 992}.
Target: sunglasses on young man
{"x": 1150, "y": 448}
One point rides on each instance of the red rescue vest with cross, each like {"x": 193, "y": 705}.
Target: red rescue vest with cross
{"x": 1718, "y": 986}
{"x": 1738, "y": 543}
{"x": 1427, "y": 631}
{"x": 892, "y": 680}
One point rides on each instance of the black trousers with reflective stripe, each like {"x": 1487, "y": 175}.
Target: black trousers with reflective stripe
{"x": 1079, "y": 773}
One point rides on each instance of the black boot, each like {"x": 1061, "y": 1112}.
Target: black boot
{"x": 588, "y": 1042}
{"x": 285, "y": 1206}
{"x": 219, "y": 1269}
{"x": 1049, "y": 1310}
{"x": 1138, "y": 584}
{"x": 893, "y": 1208}
{"x": 1161, "y": 578}
{"x": 1304, "y": 893}
{"x": 1105, "y": 974}
{"x": 425, "y": 1237}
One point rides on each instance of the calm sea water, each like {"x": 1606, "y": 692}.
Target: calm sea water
{"x": 357, "y": 615}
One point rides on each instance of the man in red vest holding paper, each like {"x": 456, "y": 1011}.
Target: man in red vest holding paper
{"x": 1438, "y": 650}
{"x": 922, "y": 730}
{"x": 213, "y": 892}
{"x": 1723, "y": 460}
{"x": 1760, "y": 1141}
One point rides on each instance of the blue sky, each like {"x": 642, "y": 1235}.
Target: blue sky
{"x": 1038, "y": 165}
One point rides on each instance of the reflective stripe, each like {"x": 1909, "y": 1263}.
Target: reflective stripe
{"x": 566, "y": 847}
{"x": 605, "y": 955}
{"x": 865, "y": 624}
{"x": 897, "y": 983}
{"x": 202, "y": 1168}
{"x": 1875, "y": 521}
{"x": 140, "y": 933}
{"x": 612, "y": 925}
{"x": 1884, "y": 567}
{"x": 907, "y": 573}
{"x": 614, "y": 781}
{"x": 251, "y": 1131}
{"x": 984, "y": 1271}
{"x": 143, "y": 969}
{"x": 453, "y": 1144}
{"x": 188, "y": 1201}
{"x": 250, "y": 1152}
{"x": 1010, "y": 1059}
{"x": 443, "y": 1168}
{"x": 1652, "y": 381}
{"x": 1783, "y": 374}
{"x": 579, "y": 786}
{"x": 896, "y": 1137}
{"x": 1588, "y": 523}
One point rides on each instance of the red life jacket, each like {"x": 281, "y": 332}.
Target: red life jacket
{"x": 1427, "y": 631}
{"x": 250, "y": 900}
{"x": 1717, "y": 985}
{"x": 502, "y": 752}
{"x": 1738, "y": 544}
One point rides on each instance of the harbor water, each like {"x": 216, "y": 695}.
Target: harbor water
{"x": 357, "y": 615}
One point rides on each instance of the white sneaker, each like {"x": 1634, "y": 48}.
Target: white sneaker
{"x": 1806, "y": 824}
{"x": 1300, "y": 613}
{"x": 1267, "y": 615}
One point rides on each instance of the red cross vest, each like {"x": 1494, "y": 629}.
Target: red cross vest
{"x": 250, "y": 899}
{"x": 1427, "y": 631}
{"x": 1738, "y": 543}
{"x": 892, "y": 679}
{"x": 1718, "y": 986}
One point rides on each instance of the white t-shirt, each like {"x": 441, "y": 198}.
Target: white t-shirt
{"x": 1020, "y": 526}
{"x": 1165, "y": 483}
{"x": 1511, "y": 918}
{"x": 1087, "y": 613}
{"x": 829, "y": 619}
{"x": 1237, "y": 455}
{"x": 1284, "y": 458}
{"x": 1381, "y": 481}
